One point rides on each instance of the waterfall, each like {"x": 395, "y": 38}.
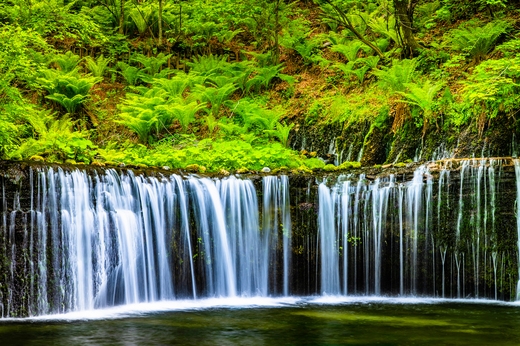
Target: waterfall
{"x": 416, "y": 238}
{"x": 98, "y": 240}
{"x": 75, "y": 240}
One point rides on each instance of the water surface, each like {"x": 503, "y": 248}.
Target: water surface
{"x": 322, "y": 321}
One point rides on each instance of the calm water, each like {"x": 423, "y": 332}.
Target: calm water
{"x": 278, "y": 322}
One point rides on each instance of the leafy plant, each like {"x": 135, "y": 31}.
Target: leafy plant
{"x": 67, "y": 89}
{"x": 56, "y": 141}
{"x": 282, "y": 132}
{"x": 478, "y": 41}
{"x": 493, "y": 87}
{"x": 131, "y": 74}
{"x": 262, "y": 77}
{"x": 350, "y": 50}
{"x": 397, "y": 75}
{"x": 152, "y": 66}
{"x": 214, "y": 95}
{"x": 183, "y": 112}
{"x": 424, "y": 96}
{"x": 97, "y": 67}
{"x": 67, "y": 62}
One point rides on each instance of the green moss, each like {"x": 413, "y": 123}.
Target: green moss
{"x": 314, "y": 163}
{"x": 330, "y": 168}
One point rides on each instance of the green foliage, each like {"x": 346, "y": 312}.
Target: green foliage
{"x": 511, "y": 48}
{"x": 54, "y": 19}
{"x": 55, "y": 140}
{"x": 67, "y": 62}
{"x": 253, "y": 117}
{"x": 156, "y": 109}
{"x": 183, "y": 112}
{"x": 477, "y": 41}
{"x": 67, "y": 89}
{"x": 98, "y": 66}
{"x": 21, "y": 54}
{"x": 385, "y": 27}
{"x": 395, "y": 77}
{"x": 262, "y": 77}
{"x": 215, "y": 96}
{"x": 281, "y": 132}
{"x": 494, "y": 87}
{"x": 210, "y": 153}
{"x": 314, "y": 163}
{"x": 152, "y": 66}
{"x": 131, "y": 74}
{"x": 423, "y": 96}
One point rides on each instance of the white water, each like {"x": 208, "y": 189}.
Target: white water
{"x": 404, "y": 244}
{"x": 96, "y": 241}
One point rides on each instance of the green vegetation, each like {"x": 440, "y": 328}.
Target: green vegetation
{"x": 228, "y": 84}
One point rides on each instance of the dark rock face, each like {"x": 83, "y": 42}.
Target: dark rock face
{"x": 373, "y": 144}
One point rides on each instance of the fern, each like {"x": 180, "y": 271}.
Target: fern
{"x": 423, "y": 96}
{"x": 282, "y": 132}
{"x": 385, "y": 27}
{"x": 141, "y": 18}
{"x": 97, "y": 67}
{"x": 263, "y": 76}
{"x": 68, "y": 90}
{"x": 208, "y": 65}
{"x": 175, "y": 87}
{"x": 56, "y": 140}
{"x": 477, "y": 42}
{"x": 140, "y": 115}
{"x": 131, "y": 74}
{"x": 254, "y": 117}
{"x": 152, "y": 66}
{"x": 395, "y": 77}
{"x": 183, "y": 112}
{"x": 211, "y": 123}
{"x": 67, "y": 62}
{"x": 71, "y": 104}
{"x": 350, "y": 50}
{"x": 141, "y": 125}
{"x": 215, "y": 96}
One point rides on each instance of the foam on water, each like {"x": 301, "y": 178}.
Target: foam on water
{"x": 145, "y": 309}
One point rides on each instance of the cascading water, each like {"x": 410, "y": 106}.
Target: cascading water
{"x": 78, "y": 241}
{"x": 415, "y": 238}
{"x": 95, "y": 241}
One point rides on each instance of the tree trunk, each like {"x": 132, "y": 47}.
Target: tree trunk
{"x": 122, "y": 17}
{"x": 160, "y": 24}
{"x": 276, "y": 29}
{"x": 404, "y": 25}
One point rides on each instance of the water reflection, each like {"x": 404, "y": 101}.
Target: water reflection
{"x": 308, "y": 321}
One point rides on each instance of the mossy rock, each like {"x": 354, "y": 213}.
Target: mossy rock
{"x": 314, "y": 163}
{"x": 223, "y": 172}
{"x": 194, "y": 168}
{"x": 330, "y": 168}
{"x": 349, "y": 165}
{"x": 301, "y": 169}
{"x": 98, "y": 163}
{"x": 37, "y": 158}
{"x": 280, "y": 170}
{"x": 71, "y": 162}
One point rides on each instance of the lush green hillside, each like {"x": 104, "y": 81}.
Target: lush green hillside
{"x": 231, "y": 85}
